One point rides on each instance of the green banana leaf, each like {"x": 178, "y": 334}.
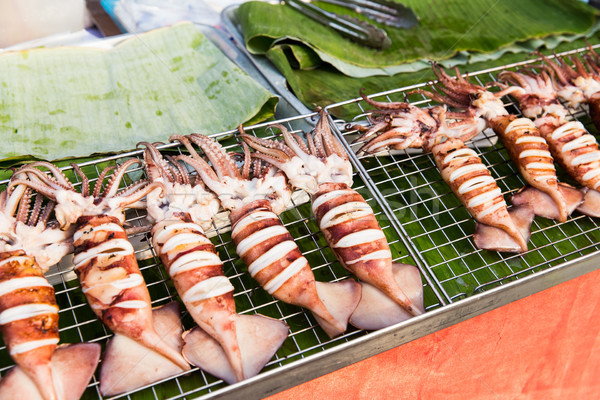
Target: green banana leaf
{"x": 445, "y": 28}
{"x": 325, "y": 85}
{"x": 75, "y": 101}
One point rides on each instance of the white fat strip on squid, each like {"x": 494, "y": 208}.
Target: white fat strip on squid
{"x": 113, "y": 248}
{"x": 25, "y": 311}
{"x": 360, "y": 237}
{"x": 467, "y": 169}
{"x": 475, "y": 183}
{"x": 132, "y": 304}
{"x": 106, "y": 253}
{"x": 275, "y": 253}
{"x": 194, "y": 260}
{"x": 345, "y": 212}
{"x": 130, "y": 281}
{"x": 18, "y": 259}
{"x": 249, "y": 219}
{"x": 325, "y": 197}
{"x": 83, "y": 234}
{"x": 184, "y": 239}
{"x": 208, "y": 288}
{"x": 376, "y": 255}
{"x": 25, "y": 282}
{"x": 34, "y": 344}
{"x": 258, "y": 237}
{"x": 274, "y": 284}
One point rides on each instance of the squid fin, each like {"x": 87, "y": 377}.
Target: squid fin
{"x": 259, "y": 339}
{"x": 491, "y": 238}
{"x": 591, "y": 203}
{"x": 127, "y": 365}
{"x": 543, "y": 205}
{"x": 72, "y": 368}
{"x": 340, "y": 299}
{"x": 376, "y": 310}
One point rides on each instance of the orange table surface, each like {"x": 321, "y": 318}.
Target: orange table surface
{"x": 544, "y": 346}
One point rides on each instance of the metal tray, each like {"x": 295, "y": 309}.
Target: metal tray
{"x": 424, "y": 226}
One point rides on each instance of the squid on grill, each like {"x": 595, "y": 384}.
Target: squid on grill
{"x": 240, "y": 345}
{"x": 578, "y": 84}
{"x": 573, "y": 148}
{"x": 399, "y": 126}
{"x": 320, "y": 167}
{"x": 29, "y": 245}
{"x": 108, "y": 272}
{"x": 527, "y": 147}
{"x": 473, "y": 184}
{"x": 262, "y": 241}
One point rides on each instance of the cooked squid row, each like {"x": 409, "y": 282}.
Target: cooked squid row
{"x": 105, "y": 264}
{"x": 275, "y": 261}
{"x": 573, "y": 148}
{"x": 472, "y": 183}
{"x": 321, "y": 167}
{"x": 353, "y": 233}
{"x": 530, "y": 152}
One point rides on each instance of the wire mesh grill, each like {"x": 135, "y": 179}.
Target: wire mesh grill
{"x": 439, "y": 228}
{"x": 79, "y": 324}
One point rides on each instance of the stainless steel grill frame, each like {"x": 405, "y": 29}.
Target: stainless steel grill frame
{"x": 78, "y": 323}
{"x": 438, "y": 227}
{"x": 425, "y": 226}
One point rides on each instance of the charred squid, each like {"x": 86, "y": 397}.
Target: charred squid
{"x": 109, "y": 275}
{"x": 574, "y": 149}
{"x": 262, "y": 241}
{"x": 320, "y": 167}
{"x": 29, "y": 246}
{"x": 228, "y": 345}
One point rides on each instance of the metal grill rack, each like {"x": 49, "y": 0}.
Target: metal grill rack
{"x": 439, "y": 229}
{"x": 78, "y": 322}
{"x": 425, "y": 225}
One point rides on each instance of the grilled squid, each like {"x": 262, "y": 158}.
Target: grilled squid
{"x": 29, "y": 245}
{"x": 579, "y": 83}
{"x": 399, "y": 126}
{"x": 262, "y": 241}
{"x": 321, "y": 168}
{"x": 106, "y": 266}
{"x": 573, "y": 148}
{"x": 473, "y": 184}
{"x": 526, "y": 146}
{"x": 244, "y": 343}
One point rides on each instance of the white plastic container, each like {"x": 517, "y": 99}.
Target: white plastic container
{"x": 23, "y": 20}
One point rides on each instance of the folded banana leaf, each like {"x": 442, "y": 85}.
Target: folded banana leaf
{"x": 325, "y": 85}
{"x": 445, "y": 28}
{"x": 76, "y": 101}
{"x": 322, "y": 67}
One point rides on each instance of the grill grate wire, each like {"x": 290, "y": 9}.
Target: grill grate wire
{"x": 78, "y": 323}
{"x": 435, "y": 224}
{"x": 423, "y": 221}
